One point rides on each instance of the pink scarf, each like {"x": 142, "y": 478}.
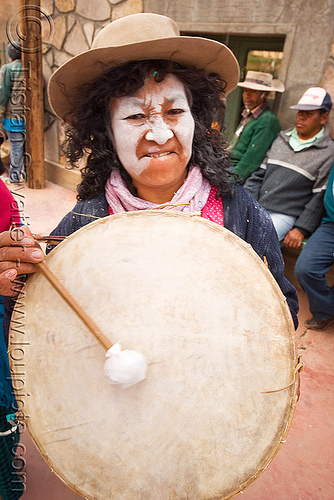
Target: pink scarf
{"x": 191, "y": 197}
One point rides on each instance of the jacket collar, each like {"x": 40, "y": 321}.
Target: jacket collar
{"x": 320, "y": 143}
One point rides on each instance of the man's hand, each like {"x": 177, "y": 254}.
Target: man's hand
{"x": 18, "y": 254}
{"x": 294, "y": 239}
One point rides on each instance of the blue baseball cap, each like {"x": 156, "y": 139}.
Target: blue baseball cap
{"x": 314, "y": 98}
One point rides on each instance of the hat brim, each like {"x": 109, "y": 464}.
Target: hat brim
{"x": 68, "y": 84}
{"x": 277, "y": 86}
{"x": 306, "y": 107}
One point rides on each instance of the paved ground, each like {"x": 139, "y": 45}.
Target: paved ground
{"x": 303, "y": 468}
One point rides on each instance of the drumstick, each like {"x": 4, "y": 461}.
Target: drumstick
{"x": 51, "y": 240}
{"x": 65, "y": 294}
{"x": 123, "y": 368}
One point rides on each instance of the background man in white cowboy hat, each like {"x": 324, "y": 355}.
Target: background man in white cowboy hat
{"x": 291, "y": 182}
{"x": 258, "y": 127}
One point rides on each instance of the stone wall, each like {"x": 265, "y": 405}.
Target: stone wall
{"x": 8, "y": 10}
{"x": 327, "y": 82}
{"x": 308, "y": 28}
{"x": 75, "y": 24}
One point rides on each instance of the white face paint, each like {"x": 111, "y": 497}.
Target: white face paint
{"x": 153, "y": 132}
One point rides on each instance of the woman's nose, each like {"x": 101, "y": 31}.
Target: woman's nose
{"x": 159, "y": 132}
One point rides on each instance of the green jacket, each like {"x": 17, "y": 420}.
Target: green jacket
{"x": 253, "y": 143}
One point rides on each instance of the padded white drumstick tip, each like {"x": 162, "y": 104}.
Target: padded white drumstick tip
{"x": 124, "y": 368}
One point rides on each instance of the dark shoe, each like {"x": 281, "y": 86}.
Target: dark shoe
{"x": 318, "y": 324}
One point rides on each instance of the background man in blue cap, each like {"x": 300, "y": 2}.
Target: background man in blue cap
{"x": 291, "y": 181}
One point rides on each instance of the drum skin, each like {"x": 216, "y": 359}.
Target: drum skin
{"x": 216, "y": 332}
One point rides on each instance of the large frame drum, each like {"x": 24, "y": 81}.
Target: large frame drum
{"x": 216, "y": 332}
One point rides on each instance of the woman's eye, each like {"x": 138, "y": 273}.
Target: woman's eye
{"x": 137, "y": 116}
{"x": 176, "y": 111}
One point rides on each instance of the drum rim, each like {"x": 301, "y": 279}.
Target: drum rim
{"x": 290, "y": 409}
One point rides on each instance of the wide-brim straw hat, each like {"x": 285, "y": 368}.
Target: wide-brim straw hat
{"x": 257, "y": 80}
{"x": 133, "y": 38}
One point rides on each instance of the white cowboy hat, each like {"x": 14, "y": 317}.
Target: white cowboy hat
{"x": 132, "y": 38}
{"x": 256, "y": 80}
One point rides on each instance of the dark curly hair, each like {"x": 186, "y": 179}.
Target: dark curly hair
{"x": 90, "y": 133}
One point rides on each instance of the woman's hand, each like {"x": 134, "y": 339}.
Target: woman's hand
{"x": 18, "y": 254}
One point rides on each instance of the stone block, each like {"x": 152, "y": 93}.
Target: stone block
{"x": 95, "y": 10}
{"x": 47, "y": 70}
{"x": 89, "y": 32}
{"x": 48, "y": 30}
{"x": 59, "y": 33}
{"x": 59, "y": 58}
{"x": 65, "y": 5}
{"x": 47, "y": 5}
{"x": 71, "y": 20}
{"x": 45, "y": 48}
{"x": 49, "y": 58}
{"x": 327, "y": 82}
{"x": 126, "y": 8}
{"x": 76, "y": 41}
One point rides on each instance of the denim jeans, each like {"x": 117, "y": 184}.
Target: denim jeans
{"x": 313, "y": 263}
{"x": 17, "y": 163}
{"x": 283, "y": 223}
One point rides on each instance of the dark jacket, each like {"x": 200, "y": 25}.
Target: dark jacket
{"x": 293, "y": 182}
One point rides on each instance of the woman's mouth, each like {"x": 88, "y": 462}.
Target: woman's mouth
{"x": 158, "y": 155}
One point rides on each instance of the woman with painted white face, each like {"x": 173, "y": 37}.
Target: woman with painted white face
{"x": 141, "y": 104}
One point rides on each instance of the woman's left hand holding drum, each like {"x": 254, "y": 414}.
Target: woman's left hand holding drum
{"x": 18, "y": 254}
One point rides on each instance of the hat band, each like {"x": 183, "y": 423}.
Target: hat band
{"x": 260, "y": 82}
